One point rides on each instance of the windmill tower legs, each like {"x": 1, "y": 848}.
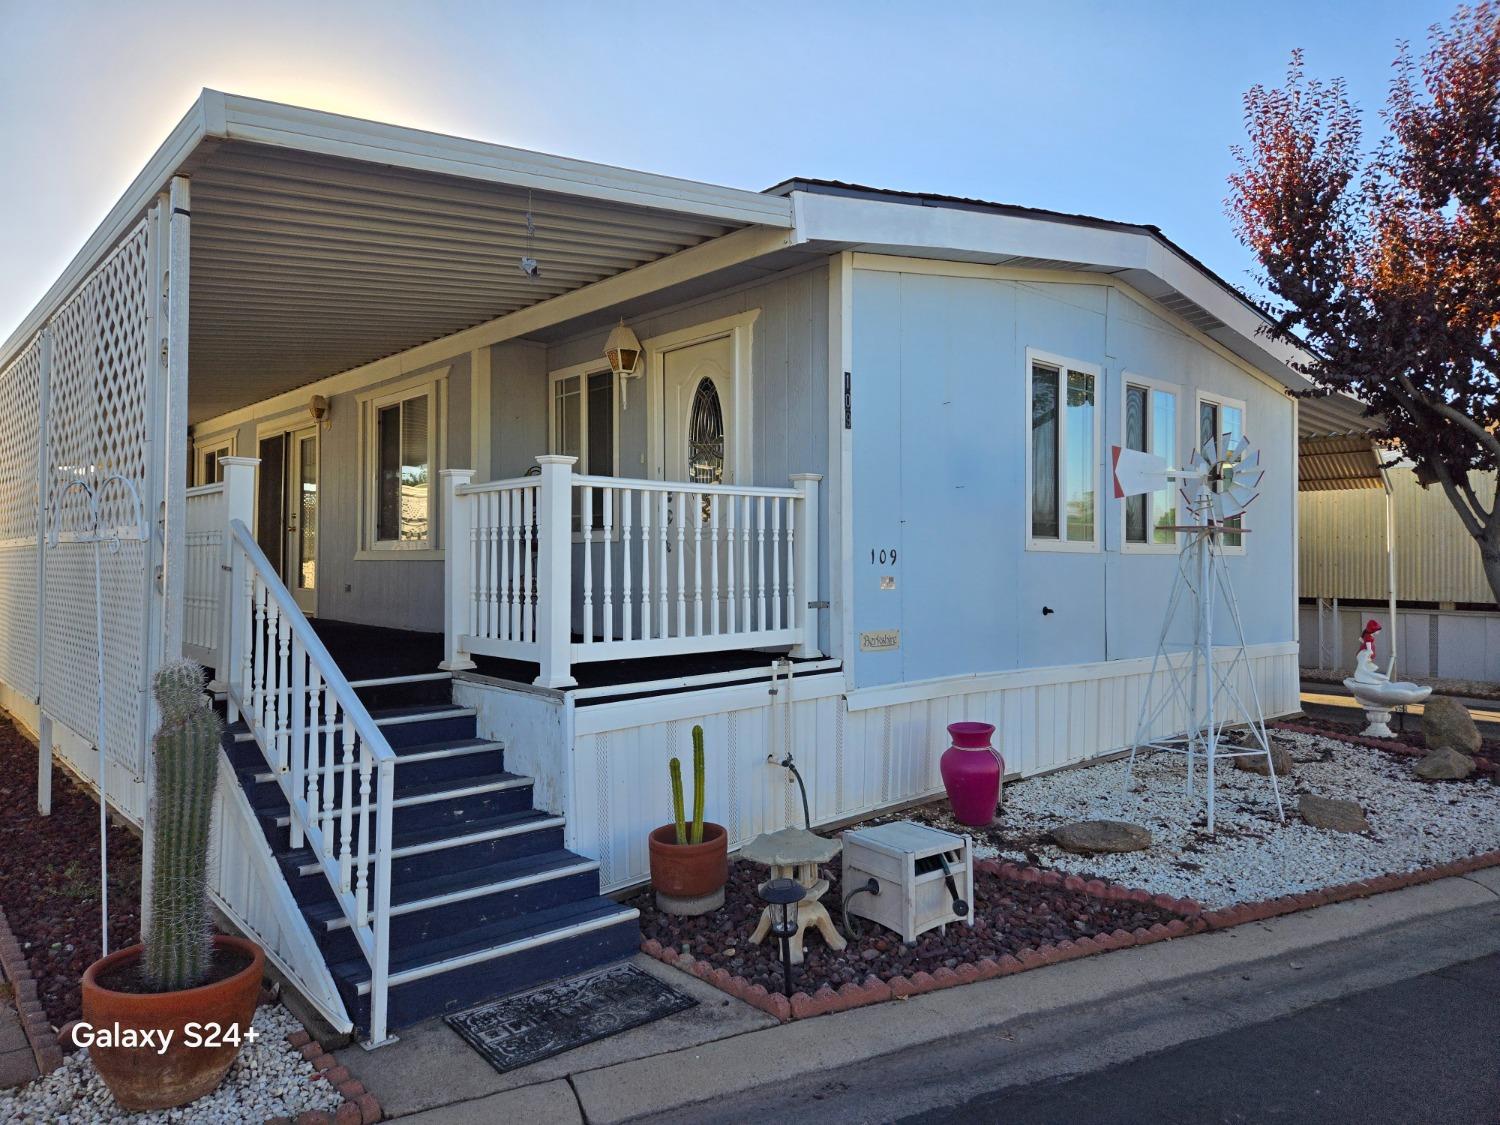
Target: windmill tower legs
{"x": 1202, "y": 577}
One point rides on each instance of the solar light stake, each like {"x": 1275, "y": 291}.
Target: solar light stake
{"x": 782, "y": 896}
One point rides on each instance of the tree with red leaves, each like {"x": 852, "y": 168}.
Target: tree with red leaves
{"x": 1386, "y": 262}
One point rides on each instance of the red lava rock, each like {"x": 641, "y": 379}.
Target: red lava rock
{"x": 49, "y": 879}
{"x": 1014, "y": 909}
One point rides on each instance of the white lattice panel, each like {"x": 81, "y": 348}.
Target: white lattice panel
{"x": 98, "y": 425}
{"x": 19, "y": 423}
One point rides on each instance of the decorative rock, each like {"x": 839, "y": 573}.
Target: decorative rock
{"x": 1281, "y": 759}
{"x": 1445, "y": 764}
{"x": 1090, "y": 837}
{"x": 1447, "y": 725}
{"x": 1335, "y": 815}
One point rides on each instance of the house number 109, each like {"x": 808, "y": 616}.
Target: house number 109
{"x": 883, "y": 555}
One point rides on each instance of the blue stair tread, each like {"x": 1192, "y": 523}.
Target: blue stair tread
{"x": 447, "y": 784}
{"x": 435, "y": 710}
{"x": 356, "y": 970}
{"x": 463, "y": 880}
{"x": 446, "y": 744}
{"x": 431, "y": 833}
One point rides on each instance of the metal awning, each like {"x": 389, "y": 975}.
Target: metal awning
{"x": 1328, "y": 464}
{"x": 322, "y": 242}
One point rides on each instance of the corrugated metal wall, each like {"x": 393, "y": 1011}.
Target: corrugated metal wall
{"x": 1342, "y": 544}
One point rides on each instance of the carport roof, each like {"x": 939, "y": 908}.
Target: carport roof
{"x": 323, "y": 242}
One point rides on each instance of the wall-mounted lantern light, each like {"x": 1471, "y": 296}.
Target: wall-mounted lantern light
{"x": 623, "y": 350}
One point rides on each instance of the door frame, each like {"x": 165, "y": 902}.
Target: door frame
{"x": 289, "y": 428}
{"x": 739, "y": 329}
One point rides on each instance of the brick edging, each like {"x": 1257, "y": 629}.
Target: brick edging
{"x": 1195, "y": 920}
{"x": 34, "y": 1023}
{"x": 874, "y": 990}
{"x": 359, "y": 1106}
{"x": 1389, "y": 745}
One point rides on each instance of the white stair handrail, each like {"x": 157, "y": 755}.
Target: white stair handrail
{"x": 290, "y": 746}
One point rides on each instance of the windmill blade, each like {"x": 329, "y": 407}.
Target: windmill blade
{"x": 1211, "y": 450}
{"x": 1219, "y": 509}
{"x": 1235, "y": 500}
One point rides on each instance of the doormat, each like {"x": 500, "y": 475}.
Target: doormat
{"x": 520, "y": 1030}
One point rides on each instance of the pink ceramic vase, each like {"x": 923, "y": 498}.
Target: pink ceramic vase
{"x": 971, "y": 773}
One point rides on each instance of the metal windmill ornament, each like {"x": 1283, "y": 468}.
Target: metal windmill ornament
{"x": 1219, "y": 482}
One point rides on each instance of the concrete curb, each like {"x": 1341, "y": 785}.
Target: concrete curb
{"x": 359, "y": 1106}
{"x": 34, "y": 1023}
{"x": 1194, "y": 920}
{"x": 874, "y": 990}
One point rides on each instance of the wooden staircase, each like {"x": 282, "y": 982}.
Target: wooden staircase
{"x": 485, "y": 899}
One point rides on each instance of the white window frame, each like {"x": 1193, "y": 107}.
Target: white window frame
{"x": 221, "y": 446}
{"x": 582, "y": 371}
{"x": 434, "y": 386}
{"x": 1035, "y": 356}
{"x": 1221, "y": 401}
{"x": 1151, "y": 385}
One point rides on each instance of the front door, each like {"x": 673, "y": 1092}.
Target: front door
{"x": 301, "y": 572}
{"x": 698, "y": 396}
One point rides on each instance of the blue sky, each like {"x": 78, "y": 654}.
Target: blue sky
{"x": 1125, "y": 110}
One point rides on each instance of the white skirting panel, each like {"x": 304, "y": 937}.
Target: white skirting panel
{"x": 247, "y": 885}
{"x": 857, "y": 753}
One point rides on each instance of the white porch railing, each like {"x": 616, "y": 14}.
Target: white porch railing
{"x": 205, "y": 575}
{"x": 333, "y": 764}
{"x": 561, "y": 569}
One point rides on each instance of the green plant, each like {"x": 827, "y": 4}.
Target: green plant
{"x": 685, "y": 835}
{"x": 179, "y": 942}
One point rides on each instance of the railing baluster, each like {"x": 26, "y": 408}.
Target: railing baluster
{"x": 662, "y": 531}
{"x": 713, "y": 564}
{"x": 586, "y": 522}
{"x": 346, "y": 818}
{"x": 523, "y": 547}
{"x": 791, "y": 564}
{"x": 627, "y": 633}
{"x": 505, "y": 625}
{"x": 330, "y": 769}
{"x": 366, "y": 814}
{"x": 760, "y": 562}
{"x": 746, "y": 624}
{"x": 283, "y": 711}
{"x": 314, "y": 744}
{"x": 729, "y": 590}
{"x": 646, "y": 502}
{"x": 681, "y": 570}
{"x": 697, "y": 517}
{"x": 609, "y": 570}
{"x": 298, "y": 736}
{"x": 775, "y": 606}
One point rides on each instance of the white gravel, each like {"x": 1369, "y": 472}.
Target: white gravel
{"x": 268, "y": 1079}
{"x": 1413, "y": 824}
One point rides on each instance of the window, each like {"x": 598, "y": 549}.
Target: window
{"x": 210, "y": 453}
{"x": 403, "y": 448}
{"x": 1151, "y": 427}
{"x": 1216, "y": 417}
{"x": 583, "y": 426}
{"x": 1063, "y": 455}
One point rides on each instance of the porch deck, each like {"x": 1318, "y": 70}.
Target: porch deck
{"x": 366, "y": 652}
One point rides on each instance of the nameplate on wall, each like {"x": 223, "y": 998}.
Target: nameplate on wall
{"x": 881, "y": 640}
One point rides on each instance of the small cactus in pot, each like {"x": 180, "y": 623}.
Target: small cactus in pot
{"x": 689, "y": 859}
{"x": 174, "y": 978}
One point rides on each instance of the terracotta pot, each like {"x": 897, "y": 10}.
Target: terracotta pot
{"x": 139, "y": 1077}
{"x": 689, "y": 871}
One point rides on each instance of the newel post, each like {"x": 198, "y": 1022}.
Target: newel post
{"x": 458, "y": 568}
{"x": 234, "y": 606}
{"x": 806, "y": 485}
{"x": 554, "y": 571}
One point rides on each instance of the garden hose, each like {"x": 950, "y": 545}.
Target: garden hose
{"x": 872, "y": 886}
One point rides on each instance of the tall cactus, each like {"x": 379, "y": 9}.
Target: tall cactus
{"x": 674, "y": 767}
{"x": 698, "y": 786}
{"x": 180, "y": 943}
